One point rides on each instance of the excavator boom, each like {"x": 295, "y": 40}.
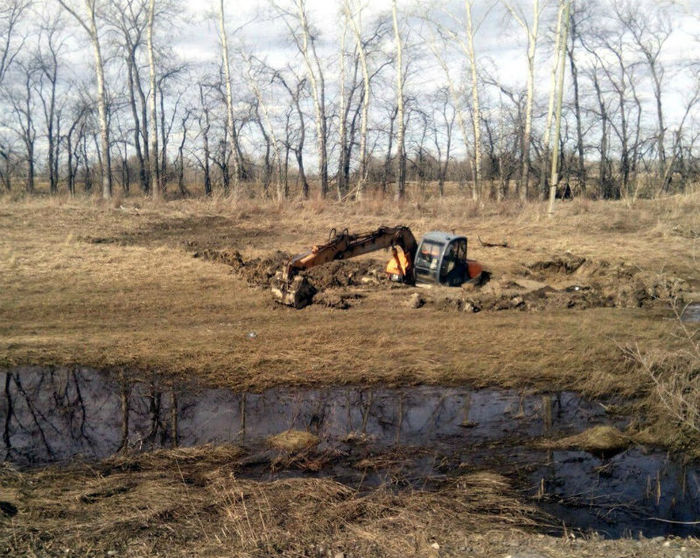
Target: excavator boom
{"x": 292, "y": 289}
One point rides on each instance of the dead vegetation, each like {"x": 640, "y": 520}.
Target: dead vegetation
{"x": 117, "y": 287}
{"x": 599, "y": 439}
{"x": 191, "y": 502}
{"x": 673, "y": 377}
{"x": 142, "y": 301}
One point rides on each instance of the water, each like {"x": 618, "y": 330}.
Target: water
{"x": 691, "y": 313}
{"x": 408, "y": 438}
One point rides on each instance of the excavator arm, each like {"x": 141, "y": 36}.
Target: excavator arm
{"x": 294, "y": 290}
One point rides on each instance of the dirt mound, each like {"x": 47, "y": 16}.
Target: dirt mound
{"x": 566, "y": 281}
{"x": 334, "y": 299}
{"x": 260, "y": 271}
{"x": 257, "y": 272}
{"x": 293, "y": 440}
{"x": 333, "y": 277}
{"x": 346, "y": 273}
{"x": 566, "y": 263}
{"x": 560, "y": 281}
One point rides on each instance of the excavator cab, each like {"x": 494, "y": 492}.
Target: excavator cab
{"x": 442, "y": 259}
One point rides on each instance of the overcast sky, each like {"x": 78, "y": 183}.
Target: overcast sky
{"x": 500, "y": 43}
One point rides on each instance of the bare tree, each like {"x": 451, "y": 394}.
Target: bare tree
{"x": 230, "y": 126}
{"x": 130, "y": 18}
{"x": 476, "y": 108}
{"x": 318, "y": 91}
{"x": 50, "y": 45}
{"x": 448, "y": 114}
{"x": 205, "y": 128}
{"x": 22, "y": 101}
{"x": 531, "y": 29}
{"x": 573, "y": 31}
{"x": 547, "y": 142}
{"x": 360, "y": 47}
{"x": 561, "y": 55}
{"x": 266, "y": 126}
{"x": 650, "y": 31}
{"x": 88, "y": 21}
{"x": 153, "y": 120}
{"x": 298, "y": 147}
{"x": 11, "y": 13}
{"x": 400, "y": 140}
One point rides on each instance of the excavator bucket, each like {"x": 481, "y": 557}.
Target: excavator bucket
{"x": 297, "y": 292}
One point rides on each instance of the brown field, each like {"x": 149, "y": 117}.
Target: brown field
{"x": 116, "y": 285}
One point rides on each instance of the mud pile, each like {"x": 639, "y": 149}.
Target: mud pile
{"x": 566, "y": 281}
{"x": 560, "y": 281}
{"x": 333, "y": 277}
{"x": 257, "y": 272}
{"x": 347, "y": 273}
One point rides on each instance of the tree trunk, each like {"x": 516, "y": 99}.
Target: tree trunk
{"x": 365, "y": 101}
{"x": 476, "y": 112}
{"x": 387, "y": 161}
{"x": 581, "y": 168}
{"x": 153, "y": 121}
{"x": 401, "y": 154}
{"x": 102, "y": 111}
{"x": 547, "y": 143}
{"x": 318, "y": 93}
{"x": 143, "y": 178}
{"x": 531, "y": 33}
{"x": 231, "y": 129}
{"x": 560, "y": 97}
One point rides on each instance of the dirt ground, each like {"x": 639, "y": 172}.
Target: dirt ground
{"x": 182, "y": 289}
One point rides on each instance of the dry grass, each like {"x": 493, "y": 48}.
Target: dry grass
{"x": 293, "y": 440}
{"x": 191, "y": 503}
{"x": 600, "y": 438}
{"x": 85, "y": 282}
{"x": 674, "y": 378}
{"x": 115, "y": 285}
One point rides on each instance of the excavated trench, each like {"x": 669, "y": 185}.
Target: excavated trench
{"x": 404, "y": 438}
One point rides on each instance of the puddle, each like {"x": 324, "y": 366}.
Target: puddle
{"x": 691, "y": 313}
{"x": 408, "y": 437}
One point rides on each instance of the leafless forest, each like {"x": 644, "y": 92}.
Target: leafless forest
{"x": 95, "y": 98}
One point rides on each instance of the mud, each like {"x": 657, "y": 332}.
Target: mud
{"x": 335, "y": 277}
{"x": 566, "y": 281}
{"x": 559, "y": 282}
{"x": 368, "y": 437}
{"x": 257, "y": 272}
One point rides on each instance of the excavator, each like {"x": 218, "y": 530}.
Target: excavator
{"x": 440, "y": 258}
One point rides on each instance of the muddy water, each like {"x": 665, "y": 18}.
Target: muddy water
{"x": 691, "y": 313}
{"x": 409, "y": 438}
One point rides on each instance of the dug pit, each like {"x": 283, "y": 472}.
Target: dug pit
{"x": 555, "y": 448}
{"x": 563, "y": 281}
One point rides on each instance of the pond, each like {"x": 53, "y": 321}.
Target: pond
{"x": 408, "y": 438}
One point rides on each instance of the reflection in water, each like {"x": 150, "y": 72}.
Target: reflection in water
{"x": 691, "y": 313}
{"x": 53, "y": 415}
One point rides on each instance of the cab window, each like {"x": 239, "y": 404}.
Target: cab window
{"x": 453, "y": 262}
{"x": 429, "y": 254}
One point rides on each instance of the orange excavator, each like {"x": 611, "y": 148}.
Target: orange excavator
{"x": 440, "y": 258}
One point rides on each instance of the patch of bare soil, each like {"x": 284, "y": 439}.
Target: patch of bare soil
{"x": 560, "y": 281}
{"x": 347, "y": 273}
{"x": 566, "y": 281}
{"x": 192, "y": 231}
{"x": 257, "y": 272}
{"x": 331, "y": 280}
